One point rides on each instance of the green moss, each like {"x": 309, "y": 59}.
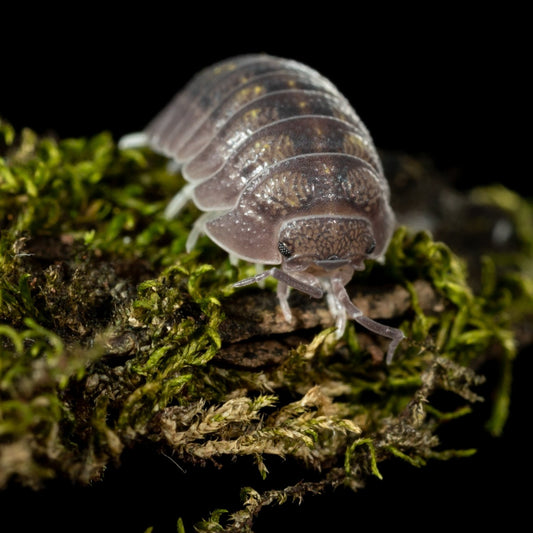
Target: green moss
{"x": 112, "y": 336}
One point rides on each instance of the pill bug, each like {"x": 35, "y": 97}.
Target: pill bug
{"x": 286, "y": 174}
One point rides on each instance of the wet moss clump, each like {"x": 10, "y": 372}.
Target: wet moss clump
{"x": 112, "y": 337}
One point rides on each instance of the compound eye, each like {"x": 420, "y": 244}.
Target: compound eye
{"x": 283, "y": 250}
{"x": 371, "y": 247}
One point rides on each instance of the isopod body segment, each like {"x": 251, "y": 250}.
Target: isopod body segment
{"x": 286, "y": 174}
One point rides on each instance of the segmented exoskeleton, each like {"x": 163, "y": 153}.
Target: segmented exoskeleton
{"x": 286, "y": 173}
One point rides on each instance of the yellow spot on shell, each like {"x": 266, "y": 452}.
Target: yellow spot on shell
{"x": 253, "y": 113}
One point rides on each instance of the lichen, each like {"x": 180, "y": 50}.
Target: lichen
{"x": 112, "y": 337}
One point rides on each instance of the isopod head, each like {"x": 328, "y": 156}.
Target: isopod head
{"x": 320, "y": 255}
{"x": 325, "y": 243}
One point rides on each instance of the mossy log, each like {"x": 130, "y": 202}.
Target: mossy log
{"x": 113, "y": 338}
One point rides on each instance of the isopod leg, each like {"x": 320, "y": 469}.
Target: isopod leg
{"x": 396, "y": 335}
{"x": 178, "y": 201}
{"x": 338, "y": 312}
{"x": 259, "y": 269}
{"x": 199, "y": 228}
{"x": 287, "y": 279}
{"x": 283, "y": 295}
{"x": 138, "y": 139}
{"x": 254, "y": 279}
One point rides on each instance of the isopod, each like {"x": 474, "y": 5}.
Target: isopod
{"x": 286, "y": 174}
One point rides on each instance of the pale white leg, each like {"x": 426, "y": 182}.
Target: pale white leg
{"x": 199, "y": 228}
{"x": 138, "y": 139}
{"x": 306, "y": 284}
{"x": 173, "y": 166}
{"x": 259, "y": 269}
{"x": 283, "y": 295}
{"x": 396, "y": 335}
{"x": 178, "y": 201}
{"x": 338, "y": 312}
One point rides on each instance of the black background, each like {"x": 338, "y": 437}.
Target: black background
{"x": 445, "y": 83}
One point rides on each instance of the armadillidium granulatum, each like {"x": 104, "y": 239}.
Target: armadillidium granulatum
{"x": 286, "y": 174}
